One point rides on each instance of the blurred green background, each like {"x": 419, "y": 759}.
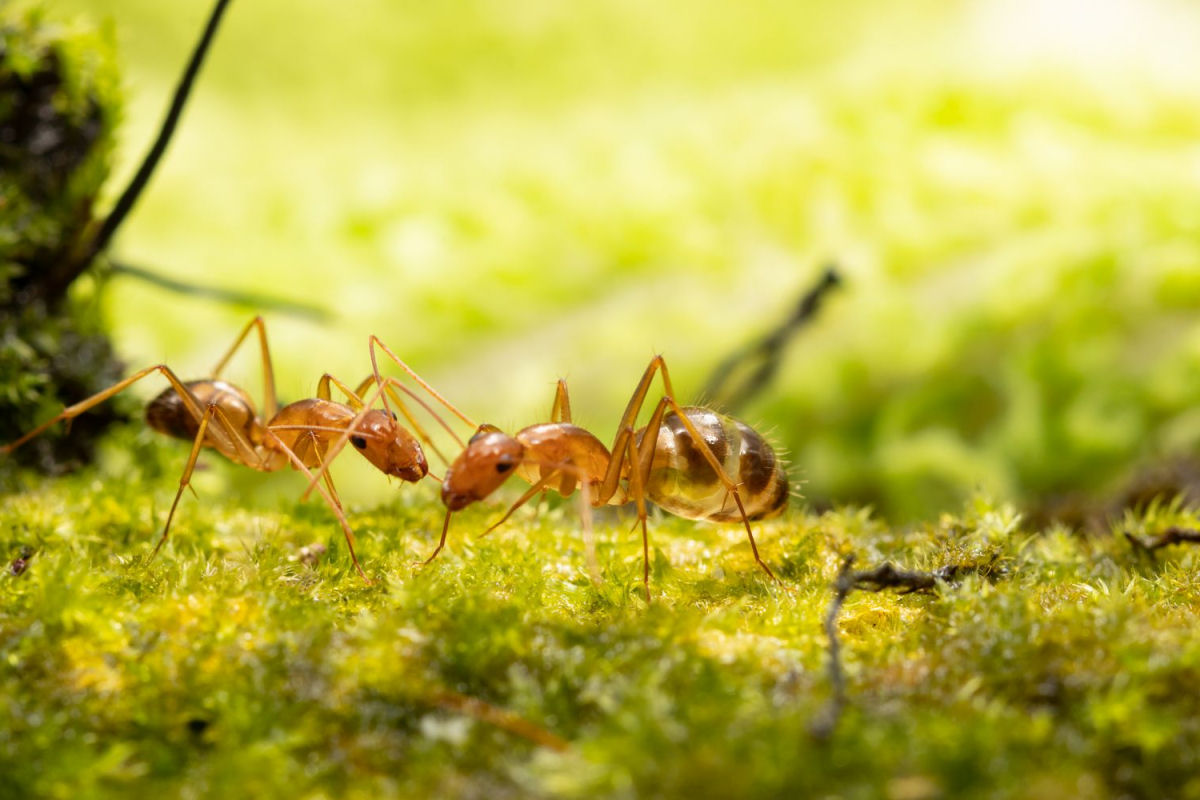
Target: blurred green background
{"x": 507, "y": 192}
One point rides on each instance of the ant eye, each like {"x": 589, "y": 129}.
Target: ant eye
{"x": 504, "y": 466}
{"x": 359, "y": 441}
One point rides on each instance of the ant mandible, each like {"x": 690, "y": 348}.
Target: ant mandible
{"x": 691, "y": 461}
{"x": 216, "y": 414}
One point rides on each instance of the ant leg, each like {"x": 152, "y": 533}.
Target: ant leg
{"x": 441, "y": 542}
{"x": 638, "y": 490}
{"x": 561, "y": 410}
{"x": 323, "y": 392}
{"x": 193, "y": 405}
{"x": 540, "y": 486}
{"x": 186, "y": 478}
{"x": 650, "y": 435}
{"x": 270, "y": 403}
{"x": 637, "y": 460}
{"x": 625, "y": 430}
{"x": 328, "y": 477}
{"x": 589, "y": 538}
{"x": 330, "y": 497}
{"x": 375, "y": 341}
{"x": 215, "y": 416}
{"x": 730, "y": 486}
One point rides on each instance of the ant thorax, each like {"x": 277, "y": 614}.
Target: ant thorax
{"x": 560, "y": 443}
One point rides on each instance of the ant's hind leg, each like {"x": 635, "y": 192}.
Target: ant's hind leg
{"x": 730, "y": 485}
{"x": 270, "y": 403}
{"x": 639, "y": 460}
{"x": 83, "y": 406}
{"x": 650, "y": 438}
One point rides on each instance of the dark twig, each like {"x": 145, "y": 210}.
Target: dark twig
{"x": 885, "y": 576}
{"x": 762, "y": 357}
{"x": 1167, "y": 538}
{"x": 253, "y": 299}
{"x": 843, "y": 585}
{"x": 133, "y": 191}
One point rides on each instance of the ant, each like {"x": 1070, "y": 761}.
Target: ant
{"x": 214, "y": 413}
{"x": 691, "y": 461}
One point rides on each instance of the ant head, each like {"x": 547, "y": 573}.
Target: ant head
{"x": 490, "y": 457}
{"x": 393, "y": 450}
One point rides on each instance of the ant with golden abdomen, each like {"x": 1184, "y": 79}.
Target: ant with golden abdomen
{"x": 691, "y": 461}
{"x": 216, "y": 414}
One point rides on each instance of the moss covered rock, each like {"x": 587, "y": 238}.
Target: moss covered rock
{"x": 59, "y": 107}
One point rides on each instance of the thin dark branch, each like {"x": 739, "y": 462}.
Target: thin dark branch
{"x": 141, "y": 178}
{"x": 885, "y": 576}
{"x": 1167, "y": 538}
{"x": 253, "y": 299}
{"x": 823, "y": 727}
{"x": 763, "y": 357}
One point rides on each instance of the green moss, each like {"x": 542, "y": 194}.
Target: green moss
{"x": 58, "y": 110}
{"x": 229, "y": 665}
{"x": 1019, "y": 248}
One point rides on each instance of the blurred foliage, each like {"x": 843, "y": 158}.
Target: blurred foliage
{"x": 58, "y": 110}
{"x": 507, "y": 194}
{"x": 1031, "y": 330}
{"x": 230, "y": 665}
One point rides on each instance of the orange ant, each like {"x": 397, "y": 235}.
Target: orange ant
{"x": 214, "y": 413}
{"x": 691, "y": 461}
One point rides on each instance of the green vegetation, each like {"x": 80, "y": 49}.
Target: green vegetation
{"x": 58, "y": 110}
{"x": 230, "y": 666}
{"x": 507, "y": 193}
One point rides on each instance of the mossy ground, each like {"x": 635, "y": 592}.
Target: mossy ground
{"x": 507, "y": 193}
{"x": 229, "y": 667}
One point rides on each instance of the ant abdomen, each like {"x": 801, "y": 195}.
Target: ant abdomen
{"x": 169, "y": 415}
{"x": 682, "y": 481}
